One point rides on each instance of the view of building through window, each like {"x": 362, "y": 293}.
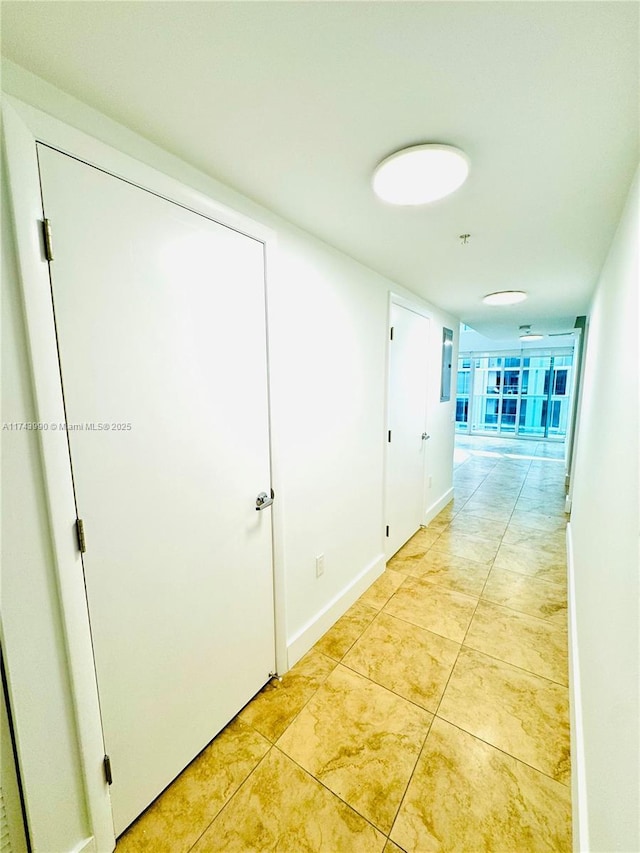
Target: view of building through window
{"x": 526, "y": 394}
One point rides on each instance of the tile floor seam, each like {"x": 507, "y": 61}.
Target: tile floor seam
{"x": 457, "y": 518}
{"x": 414, "y": 625}
{"x": 411, "y": 775}
{"x": 389, "y": 689}
{"x": 273, "y": 742}
{"x": 463, "y": 645}
{"x": 266, "y": 737}
{"x": 523, "y": 613}
{"x": 456, "y": 660}
{"x": 465, "y": 537}
{"x": 503, "y": 751}
{"x": 474, "y": 610}
{"x": 293, "y": 719}
{"x": 333, "y": 793}
{"x": 223, "y": 807}
{"x": 441, "y": 585}
{"x": 436, "y": 581}
{"x": 417, "y": 625}
{"x": 525, "y": 575}
{"x": 530, "y": 577}
{"x": 515, "y": 666}
{"x": 359, "y": 637}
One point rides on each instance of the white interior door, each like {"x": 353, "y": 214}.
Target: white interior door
{"x": 407, "y": 395}
{"x": 160, "y": 316}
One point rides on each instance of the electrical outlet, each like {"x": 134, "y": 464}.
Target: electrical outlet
{"x": 319, "y": 565}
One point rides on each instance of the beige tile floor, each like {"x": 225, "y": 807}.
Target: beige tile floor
{"x": 432, "y": 717}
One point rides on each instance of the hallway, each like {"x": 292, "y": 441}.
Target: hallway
{"x": 433, "y": 715}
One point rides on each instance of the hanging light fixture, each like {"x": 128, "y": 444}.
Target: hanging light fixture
{"x": 527, "y": 335}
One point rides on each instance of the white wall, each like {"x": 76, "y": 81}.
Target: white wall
{"x": 605, "y": 530}
{"x": 328, "y": 338}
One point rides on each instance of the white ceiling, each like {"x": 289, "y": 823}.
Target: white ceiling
{"x": 294, "y": 103}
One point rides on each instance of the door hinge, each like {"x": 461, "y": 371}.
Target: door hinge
{"x": 108, "y": 775}
{"x": 82, "y": 542}
{"x": 389, "y": 436}
{"x": 48, "y": 244}
{"x": 391, "y": 334}
{"x": 387, "y": 531}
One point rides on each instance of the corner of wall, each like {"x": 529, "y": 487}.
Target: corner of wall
{"x": 432, "y": 511}
{"x": 322, "y": 621}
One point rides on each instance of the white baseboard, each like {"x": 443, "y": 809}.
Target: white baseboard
{"x": 578, "y": 770}
{"x": 337, "y": 607}
{"x": 438, "y": 506}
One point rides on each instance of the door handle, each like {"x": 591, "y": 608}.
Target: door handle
{"x": 263, "y": 501}
{"x": 425, "y": 436}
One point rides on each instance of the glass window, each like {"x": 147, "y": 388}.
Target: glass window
{"x": 511, "y": 381}
{"x": 531, "y": 419}
{"x": 525, "y": 393}
{"x": 462, "y": 411}
{"x": 560, "y": 382}
{"x": 523, "y": 413}
{"x": 509, "y": 408}
{"x": 536, "y": 380}
{"x": 463, "y": 381}
{"x": 493, "y": 382}
{"x": 491, "y": 412}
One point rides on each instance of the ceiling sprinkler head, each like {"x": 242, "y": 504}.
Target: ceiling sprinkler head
{"x": 464, "y": 238}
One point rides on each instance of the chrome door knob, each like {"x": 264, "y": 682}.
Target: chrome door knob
{"x": 263, "y": 501}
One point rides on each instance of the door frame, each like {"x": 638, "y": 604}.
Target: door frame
{"x": 24, "y": 126}
{"x": 423, "y": 311}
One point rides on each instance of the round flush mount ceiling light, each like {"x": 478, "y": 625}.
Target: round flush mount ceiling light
{"x": 420, "y": 174}
{"x": 504, "y": 297}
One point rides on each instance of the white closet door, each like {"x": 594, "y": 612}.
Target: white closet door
{"x": 408, "y": 375}
{"x": 160, "y": 315}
